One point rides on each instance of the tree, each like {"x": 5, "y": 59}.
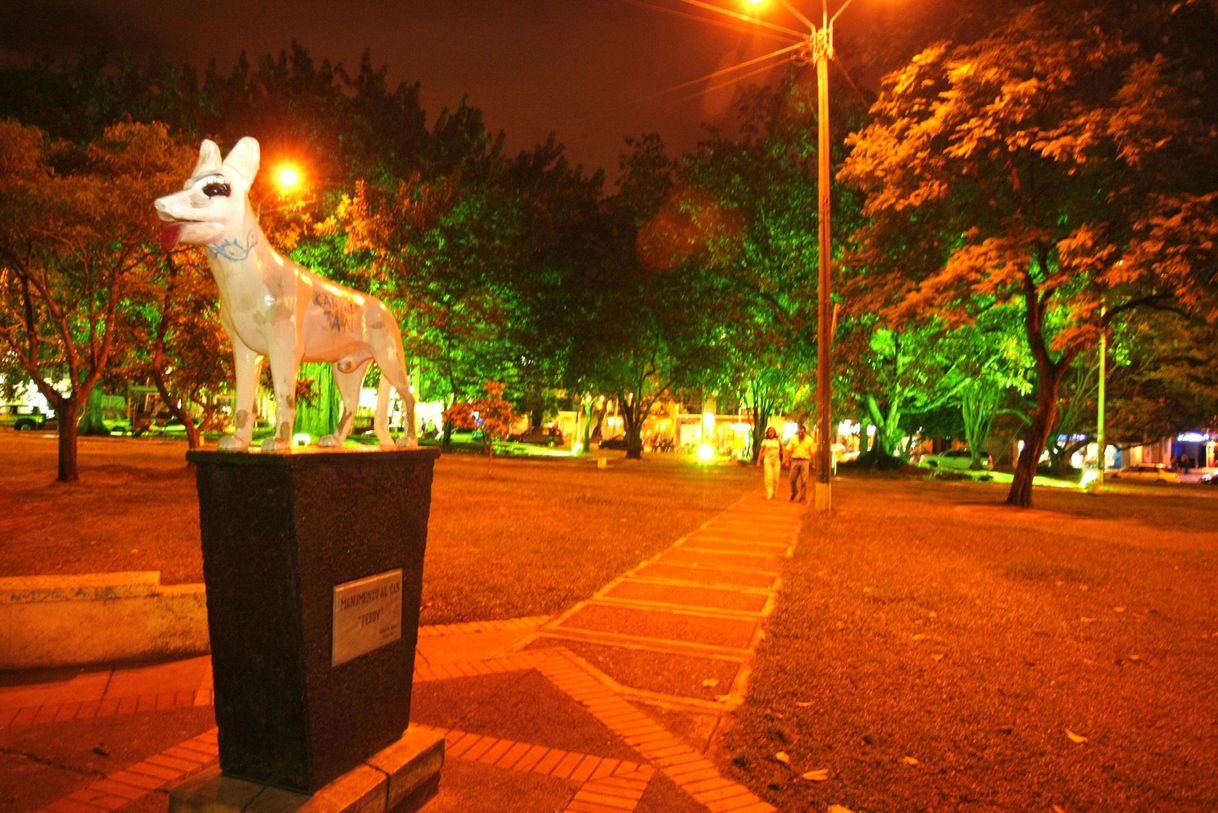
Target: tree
{"x": 1163, "y": 378}
{"x": 1035, "y": 166}
{"x": 626, "y": 310}
{"x": 755, "y": 338}
{"x": 899, "y": 375}
{"x": 178, "y": 344}
{"x": 75, "y": 250}
{"x": 480, "y": 251}
{"x": 492, "y": 414}
{"x": 995, "y": 365}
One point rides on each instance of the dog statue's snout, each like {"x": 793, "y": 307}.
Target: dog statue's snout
{"x": 164, "y": 208}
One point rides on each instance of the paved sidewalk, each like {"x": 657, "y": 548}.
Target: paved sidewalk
{"x": 610, "y": 706}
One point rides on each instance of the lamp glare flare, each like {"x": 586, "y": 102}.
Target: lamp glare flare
{"x": 288, "y": 178}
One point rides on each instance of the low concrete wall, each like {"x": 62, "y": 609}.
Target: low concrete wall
{"x": 98, "y": 618}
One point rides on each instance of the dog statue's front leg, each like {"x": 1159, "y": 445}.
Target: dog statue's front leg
{"x": 285, "y": 364}
{"x": 247, "y": 365}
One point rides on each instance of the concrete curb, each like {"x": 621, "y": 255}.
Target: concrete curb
{"x": 80, "y": 620}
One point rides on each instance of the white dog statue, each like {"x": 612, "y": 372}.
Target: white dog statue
{"x": 273, "y": 308}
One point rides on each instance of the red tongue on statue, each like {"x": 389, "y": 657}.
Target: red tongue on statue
{"x": 169, "y": 236}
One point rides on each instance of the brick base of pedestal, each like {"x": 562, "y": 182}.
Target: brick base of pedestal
{"x": 399, "y": 779}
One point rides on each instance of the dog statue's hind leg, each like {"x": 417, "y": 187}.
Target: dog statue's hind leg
{"x": 411, "y": 438}
{"x": 381, "y": 424}
{"x": 387, "y": 350}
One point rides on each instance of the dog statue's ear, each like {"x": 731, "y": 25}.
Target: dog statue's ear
{"x": 209, "y": 159}
{"x": 244, "y": 158}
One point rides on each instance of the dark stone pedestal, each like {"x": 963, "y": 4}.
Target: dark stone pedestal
{"x": 400, "y": 779}
{"x": 280, "y": 534}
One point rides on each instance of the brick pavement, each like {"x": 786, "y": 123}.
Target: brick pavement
{"x": 668, "y": 642}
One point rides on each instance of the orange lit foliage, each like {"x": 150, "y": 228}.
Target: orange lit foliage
{"x": 1039, "y": 166}
{"x": 77, "y": 248}
{"x": 492, "y": 414}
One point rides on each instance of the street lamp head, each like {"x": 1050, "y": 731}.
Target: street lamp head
{"x": 288, "y": 179}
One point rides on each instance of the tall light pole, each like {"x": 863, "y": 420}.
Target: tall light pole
{"x": 819, "y": 50}
{"x": 821, "y": 45}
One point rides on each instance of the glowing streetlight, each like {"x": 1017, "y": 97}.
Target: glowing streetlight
{"x": 288, "y": 178}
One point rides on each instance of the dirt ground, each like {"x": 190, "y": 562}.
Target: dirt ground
{"x": 933, "y": 649}
{"x": 507, "y": 538}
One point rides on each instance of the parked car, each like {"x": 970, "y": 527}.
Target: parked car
{"x": 616, "y": 442}
{"x": 21, "y": 417}
{"x": 954, "y": 459}
{"x": 116, "y": 421}
{"x": 541, "y": 435}
{"x": 1146, "y": 472}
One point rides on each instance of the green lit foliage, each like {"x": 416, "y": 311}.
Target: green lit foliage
{"x": 1030, "y": 167}
{"x": 318, "y": 402}
{"x": 756, "y": 341}
{"x": 74, "y": 251}
{"x": 997, "y": 369}
{"x": 480, "y": 259}
{"x": 900, "y": 374}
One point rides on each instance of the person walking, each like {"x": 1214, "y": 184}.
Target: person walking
{"x": 799, "y": 455}
{"x": 769, "y": 457}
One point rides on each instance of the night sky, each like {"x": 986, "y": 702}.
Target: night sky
{"x": 592, "y": 71}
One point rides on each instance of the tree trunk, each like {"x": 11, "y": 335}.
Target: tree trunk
{"x": 92, "y": 422}
{"x": 634, "y": 430}
{"x": 597, "y": 428}
{"x": 194, "y": 438}
{"x": 761, "y": 417}
{"x": 887, "y": 428}
{"x": 1037, "y": 435}
{"x": 66, "y": 411}
{"x": 977, "y": 407}
{"x": 588, "y": 411}
{"x": 1050, "y": 374}
{"x": 193, "y": 435}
